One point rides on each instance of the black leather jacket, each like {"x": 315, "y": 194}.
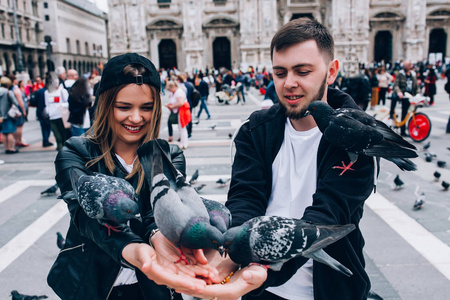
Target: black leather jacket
{"x": 90, "y": 261}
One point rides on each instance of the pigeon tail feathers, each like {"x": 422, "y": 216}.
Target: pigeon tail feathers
{"x": 404, "y": 164}
{"x": 328, "y": 234}
{"x": 323, "y": 257}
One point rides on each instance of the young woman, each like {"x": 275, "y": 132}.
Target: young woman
{"x": 95, "y": 263}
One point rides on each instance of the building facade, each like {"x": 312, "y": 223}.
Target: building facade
{"x": 76, "y": 34}
{"x": 52, "y": 33}
{"x": 193, "y": 34}
{"x": 28, "y": 33}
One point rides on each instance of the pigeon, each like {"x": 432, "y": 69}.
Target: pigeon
{"x": 230, "y": 135}
{"x": 110, "y": 200}
{"x": 358, "y": 133}
{"x": 199, "y": 187}
{"x": 426, "y": 146}
{"x": 428, "y": 157}
{"x": 373, "y": 295}
{"x": 448, "y": 148}
{"x": 213, "y": 126}
{"x": 51, "y": 190}
{"x": 273, "y": 240}
{"x": 436, "y": 175}
{"x": 178, "y": 210}
{"x": 194, "y": 177}
{"x": 445, "y": 185}
{"x": 60, "y": 241}
{"x": 441, "y": 164}
{"x": 17, "y": 296}
{"x": 223, "y": 182}
{"x": 398, "y": 182}
{"x": 419, "y": 201}
{"x": 219, "y": 214}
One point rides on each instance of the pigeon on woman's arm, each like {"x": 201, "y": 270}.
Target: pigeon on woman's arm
{"x": 272, "y": 241}
{"x": 178, "y": 210}
{"x": 358, "y": 133}
{"x": 110, "y": 200}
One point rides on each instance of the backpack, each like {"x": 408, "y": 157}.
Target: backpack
{"x": 33, "y": 100}
{"x": 195, "y": 98}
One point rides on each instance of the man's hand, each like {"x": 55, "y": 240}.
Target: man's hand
{"x": 242, "y": 282}
{"x": 400, "y": 95}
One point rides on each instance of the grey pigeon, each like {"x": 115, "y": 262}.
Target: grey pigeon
{"x": 198, "y": 188}
{"x": 213, "y": 126}
{"x": 358, "y": 133}
{"x": 441, "y": 163}
{"x": 219, "y": 214}
{"x": 60, "y": 241}
{"x": 222, "y": 182}
{"x": 398, "y": 182}
{"x": 273, "y": 240}
{"x": 194, "y": 177}
{"x": 17, "y": 296}
{"x": 436, "y": 175}
{"x": 428, "y": 157}
{"x": 419, "y": 202}
{"x": 178, "y": 210}
{"x": 445, "y": 185}
{"x": 110, "y": 200}
{"x": 51, "y": 190}
{"x": 426, "y": 146}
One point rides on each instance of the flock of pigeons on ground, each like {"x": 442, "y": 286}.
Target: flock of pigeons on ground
{"x": 429, "y": 156}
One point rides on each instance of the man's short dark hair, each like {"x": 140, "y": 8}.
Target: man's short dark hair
{"x": 302, "y": 30}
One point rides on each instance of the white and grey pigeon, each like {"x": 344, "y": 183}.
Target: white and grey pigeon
{"x": 358, "y": 133}
{"x": 110, "y": 200}
{"x": 273, "y": 240}
{"x": 178, "y": 210}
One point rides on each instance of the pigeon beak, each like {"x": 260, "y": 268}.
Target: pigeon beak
{"x": 224, "y": 252}
{"x": 137, "y": 216}
{"x": 221, "y": 251}
{"x": 307, "y": 113}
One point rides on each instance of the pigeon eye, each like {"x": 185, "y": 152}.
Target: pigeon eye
{"x": 214, "y": 242}
{"x": 228, "y": 243}
{"x": 128, "y": 211}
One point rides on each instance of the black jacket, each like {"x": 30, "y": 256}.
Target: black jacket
{"x": 337, "y": 200}
{"x": 89, "y": 263}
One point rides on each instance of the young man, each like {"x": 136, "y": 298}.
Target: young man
{"x": 284, "y": 167}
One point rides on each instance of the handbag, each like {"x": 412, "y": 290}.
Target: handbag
{"x": 14, "y": 112}
{"x": 173, "y": 117}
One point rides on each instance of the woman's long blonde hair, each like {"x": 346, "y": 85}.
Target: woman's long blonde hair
{"x": 103, "y": 133}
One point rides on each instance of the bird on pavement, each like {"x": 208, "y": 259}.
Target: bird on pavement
{"x": 110, "y": 200}
{"x": 178, "y": 210}
{"x": 222, "y": 182}
{"x": 441, "y": 163}
{"x": 17, "y": 296}
{"x": 273, "y": 240}
{"x": 426, "y": 146}
{"x": 419, "y": 201}
{"x": 398, "y": 182}
{"x": 428, "y": 157}
{"x": 230, "y": 135}
{"x": 436, "y": 175}
{"x": 60, "y": 241}
{"x": 219, "y": 214}
{"x": 358, "y": 133}
{"x": 198, "y": 188}
{"x": 213, "y": 126}
{"x": 194, "y": 177}
{"x": 445, "y": 185}
{"x": 51, "y": 190}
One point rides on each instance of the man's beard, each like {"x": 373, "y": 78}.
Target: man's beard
{"x": 296, "y": 115}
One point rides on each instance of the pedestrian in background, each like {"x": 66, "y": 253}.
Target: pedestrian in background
{"x": 7, "y": 100}
{"x": 372, "y": 74}
{"x": 23, "y": 107}
{"x": 42, "y": 116}
{"x": 203, "y": 88}
{"x": 181, "y": 80}
{"x": 179, "y": 107}
{"x": 80, "y": 100}
{"x": 96, "y": 263}
{"x": 430, "y": 83}
{"x": 384, "y": 80}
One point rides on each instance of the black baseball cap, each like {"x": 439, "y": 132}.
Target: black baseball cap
{"x": 112, "y": 73}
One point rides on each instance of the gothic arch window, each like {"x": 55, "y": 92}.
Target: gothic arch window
{"x": 438, "y": 41}
{"x": 167, "y": 54}
{"x": 383, "y": 46}
{"x": 221, "y": 53}
{"x": 440, "y": 13}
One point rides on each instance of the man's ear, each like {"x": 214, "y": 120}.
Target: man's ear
{"x": 333, "y": 69}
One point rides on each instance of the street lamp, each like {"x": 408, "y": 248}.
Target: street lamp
{"x": 49, "y": 43}
{"x": 20, "y": 66}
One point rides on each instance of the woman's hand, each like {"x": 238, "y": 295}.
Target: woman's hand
{"x": 242, "y": 282}
{"x": 163, "y": 271}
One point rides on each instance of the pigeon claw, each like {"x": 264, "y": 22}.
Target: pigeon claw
{"x": 182, "y": 258}
{"x": 344, "y": 167}
{"x": 113, "y": 228}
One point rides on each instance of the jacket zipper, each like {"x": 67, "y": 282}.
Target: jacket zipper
{"x": 75, "y": 247}
{"x": 110, "y": 290}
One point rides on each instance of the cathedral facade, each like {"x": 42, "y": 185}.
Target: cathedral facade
{"x": 194, "y": 34}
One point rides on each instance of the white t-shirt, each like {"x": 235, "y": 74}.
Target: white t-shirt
{"x": 126, "y": 276}
{"x": 294, "y": 182}
{"x": 55, "y": 102}
{"x": 174, "y": 96}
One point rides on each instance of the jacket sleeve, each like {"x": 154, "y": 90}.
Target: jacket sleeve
{"x": 247, "y": 196}
{"x": 75, "y": 154}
